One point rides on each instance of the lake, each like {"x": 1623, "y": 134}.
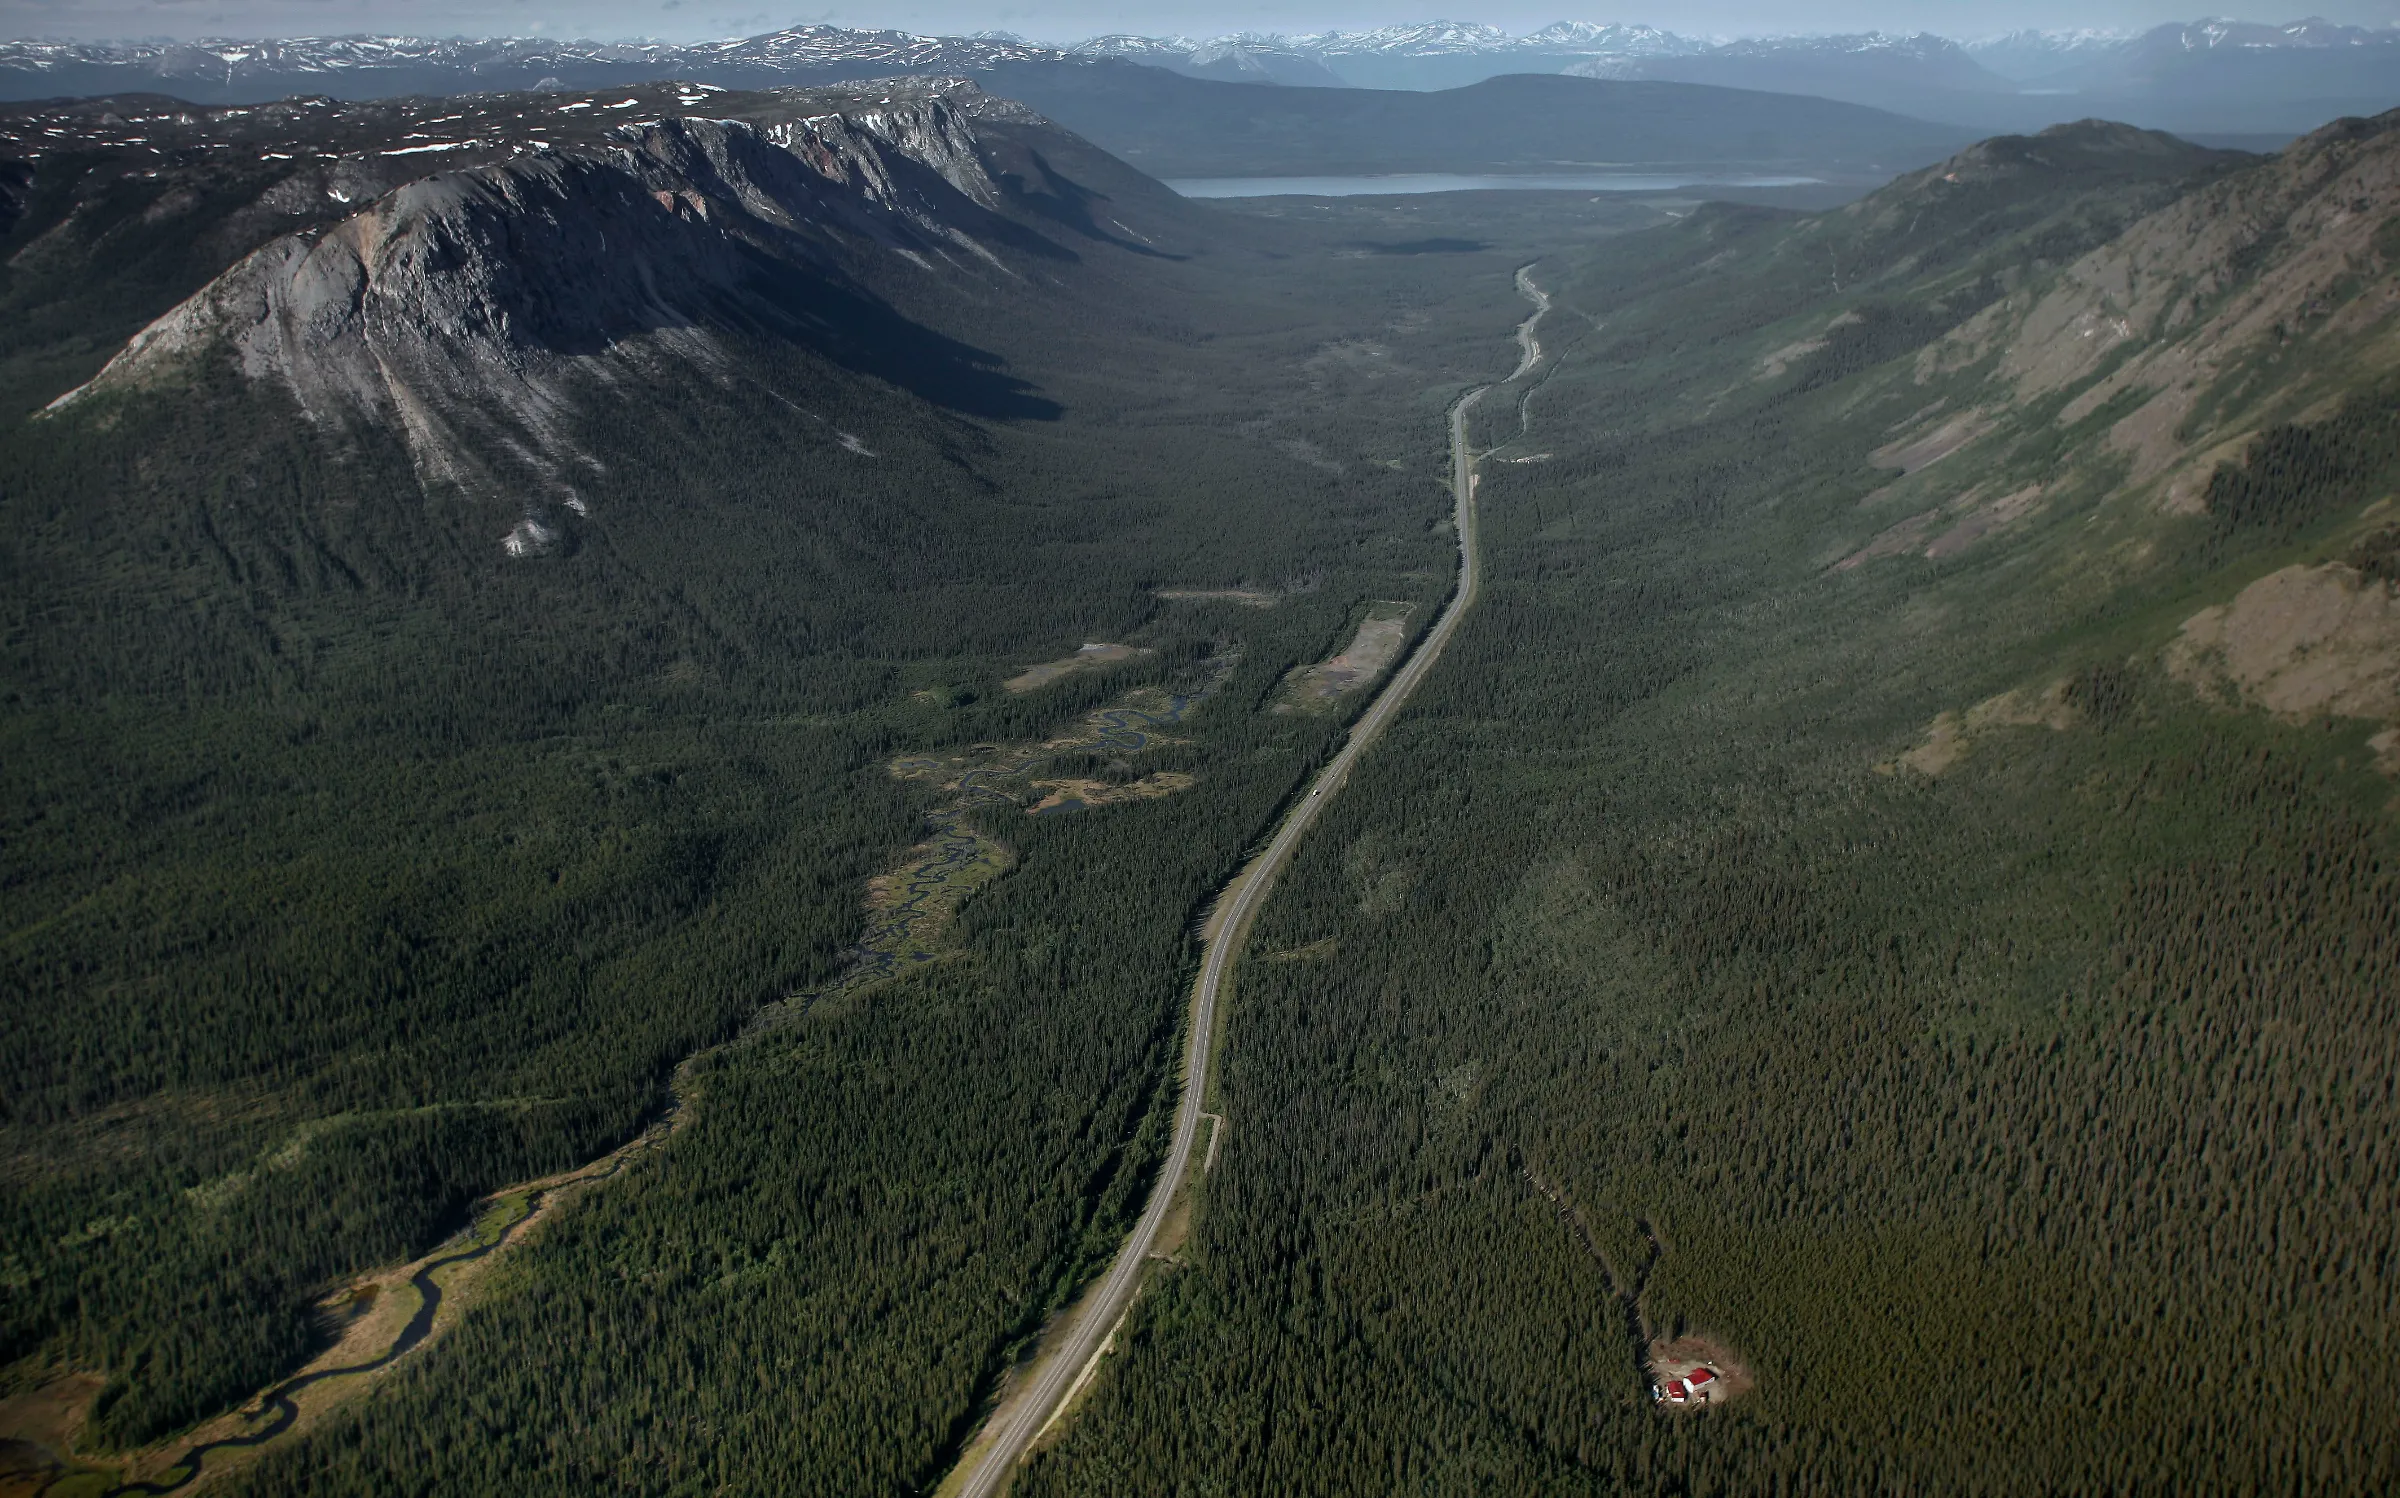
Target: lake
{"x": 1414, "y": 182}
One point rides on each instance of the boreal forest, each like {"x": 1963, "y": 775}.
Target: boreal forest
{"x": 795, "y": 786}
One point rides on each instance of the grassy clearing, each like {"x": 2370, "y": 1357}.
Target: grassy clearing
{"x": 1085, "y": 658}
{"x": 1382, "y": 636}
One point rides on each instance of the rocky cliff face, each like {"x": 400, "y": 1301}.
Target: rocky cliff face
{"x": 469, "y": 309}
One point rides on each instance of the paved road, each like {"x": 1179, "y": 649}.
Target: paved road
{"x": 1055, "y": 1371}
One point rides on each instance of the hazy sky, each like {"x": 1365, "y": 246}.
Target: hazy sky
{"x": 1068, "y": 20}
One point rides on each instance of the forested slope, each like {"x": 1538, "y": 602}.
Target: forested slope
{"x": 1898, "y": 882}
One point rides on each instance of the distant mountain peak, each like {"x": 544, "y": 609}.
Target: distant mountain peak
{"x": 1424, "y": 39}
{"x": 1126, "y": 44}
{"x": 1912, "y": 44}
{"x": 2315, "y": 31}
{"x": 1610, "y": 37}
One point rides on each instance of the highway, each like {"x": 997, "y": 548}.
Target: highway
{"x": 996, "y": 1454}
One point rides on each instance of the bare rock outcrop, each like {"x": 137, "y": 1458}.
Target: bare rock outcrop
{"x": 2298, "y": 643}
{"x": 467, "y": 308}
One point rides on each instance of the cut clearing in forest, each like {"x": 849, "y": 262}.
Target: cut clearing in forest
{"x": 1373, "y": 649}
{"x": 991, "y": 1460}
{"x": 1317, "y": 950}
{"x": 1256, "y": 598}
{"x": 1082, "y": 660}
{"x": 1017, "y": 1388}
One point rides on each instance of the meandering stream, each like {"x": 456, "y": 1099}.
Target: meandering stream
{"x": 278, "y": 1401}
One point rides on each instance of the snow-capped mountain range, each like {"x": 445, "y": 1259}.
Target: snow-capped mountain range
{"x": 2024, "y": 56}
{"x": 2015, "y": 52}
{"x": 1450, "y": 38}
{"x": 2210, "y": 74}
{"x": 336, "y": 60}
{"x": 1429, "y": 54}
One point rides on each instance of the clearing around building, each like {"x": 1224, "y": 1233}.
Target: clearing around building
{"x": 1692, "y": 1371}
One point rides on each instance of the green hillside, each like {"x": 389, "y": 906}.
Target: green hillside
{"x": 1899, "y": 885}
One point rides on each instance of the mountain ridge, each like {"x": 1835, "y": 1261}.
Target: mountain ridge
{"x": 1164, "y": 123}
{"x": 430, "y": 309}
